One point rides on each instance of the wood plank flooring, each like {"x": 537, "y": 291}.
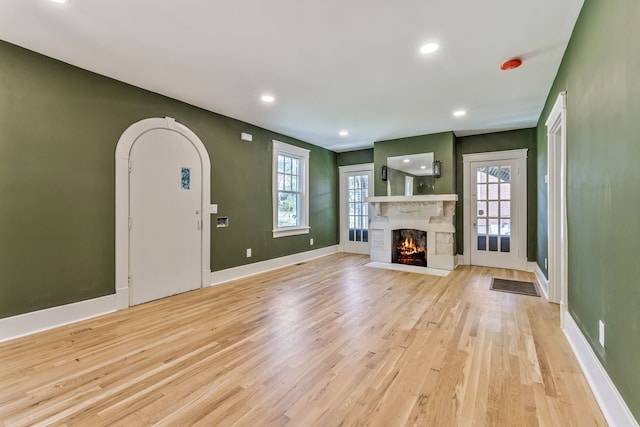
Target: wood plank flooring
{"x": 325, "y": 343}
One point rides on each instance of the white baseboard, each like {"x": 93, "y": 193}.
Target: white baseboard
{"x": 531, "y": 266}
{"x": 239, "y": 272}
{"x": 459, "y": 260}
{"x": 542, "y": 281}
{"x": 49, "y": 318}
{"x": 42, "y": 320}
{"x": 613, "y": 407}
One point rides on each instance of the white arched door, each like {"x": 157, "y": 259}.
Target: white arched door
{"x": 167, "y": 222}
{"x": 165, "y": 211}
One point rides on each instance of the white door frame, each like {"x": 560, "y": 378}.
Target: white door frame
{"x": 343, "y": 170}
{"x": 123, "y": 152}
{"x": 521, "y": 202}
{"x": 557, "y": 238}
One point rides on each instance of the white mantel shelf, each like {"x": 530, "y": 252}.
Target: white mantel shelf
{"x": 422, "y": 198}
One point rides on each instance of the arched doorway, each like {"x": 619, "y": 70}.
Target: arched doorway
{"x": 162, "y": 211}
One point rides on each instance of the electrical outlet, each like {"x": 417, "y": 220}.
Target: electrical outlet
{"x": 311, "y": 241}
{"x": 601, "y": 332}
{"x": 546, "y": 266}
{"x": 249, "y": 253}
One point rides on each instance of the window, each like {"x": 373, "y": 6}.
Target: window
{"x": 290, "y": 190}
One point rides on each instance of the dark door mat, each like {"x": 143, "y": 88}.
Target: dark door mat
{"x": 514, "y": 286}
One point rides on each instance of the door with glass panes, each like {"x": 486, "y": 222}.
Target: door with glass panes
{"x": 356, "y": 186}
{"x": 498, "y": 217}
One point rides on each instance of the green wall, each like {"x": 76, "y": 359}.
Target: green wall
{"x": 441, "y": 144}
{"x": 59, "y": 126}
{"x": 356, "y": 157}
{"x": 600, "y": 72}
{"x": 500, "y": 141}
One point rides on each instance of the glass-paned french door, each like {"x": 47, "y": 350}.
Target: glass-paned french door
{"x": 497, "y": 212}
{"x": 493, "y": 203}
{"x": 358, "y": 209}
{"x": 356, "y": 186}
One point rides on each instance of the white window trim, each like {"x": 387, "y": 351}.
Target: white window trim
{"x": 303, "y": 155}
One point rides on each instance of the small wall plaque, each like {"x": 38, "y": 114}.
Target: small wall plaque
{"x": 186, "y": 179}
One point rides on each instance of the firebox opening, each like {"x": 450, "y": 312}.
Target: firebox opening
{"x": 409, "y": 247}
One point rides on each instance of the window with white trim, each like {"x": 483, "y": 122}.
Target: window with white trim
{"x": 290, "y": 190}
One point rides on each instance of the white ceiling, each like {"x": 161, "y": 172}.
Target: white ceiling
{"x": 331, "y": 64}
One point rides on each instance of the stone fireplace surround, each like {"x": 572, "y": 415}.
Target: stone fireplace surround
{"x": 434, "y": 213}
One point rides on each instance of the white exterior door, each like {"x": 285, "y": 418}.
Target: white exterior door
{"x": 165, "y": 217}
{"x": 495, "y": 212}
{"x": 356, "y": 184}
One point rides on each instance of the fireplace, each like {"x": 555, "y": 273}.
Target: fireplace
{"x": 433, "y": 214}
{"x": 409, "y": 247}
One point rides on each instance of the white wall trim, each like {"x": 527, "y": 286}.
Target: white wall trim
{"x": 459, "y": 260}
{"x": 122, "y": 298}
{"x": 123, "y": 151}
{"x": 542, "y": 281}
{"x": 49, "y": 318}
{"x": 302, "y": 154}
{"x": 222, "y": 276}
{"x": 557, "y": 236}
{"x": 613, "y": 406}
{"x": 42, "y": 320}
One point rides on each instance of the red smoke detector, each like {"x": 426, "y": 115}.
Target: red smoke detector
{"x": 511, "y": 64}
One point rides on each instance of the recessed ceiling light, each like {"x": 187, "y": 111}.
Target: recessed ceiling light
{"x": 60, "y": 1}
{"x": 406, "y": 160}
{"x": 423, "y": 167}
{"x": 429, "y": 48}
{"x": 344, "y": 132}
{"x": 267, "y": 98}
{"x": 459, "y": 113}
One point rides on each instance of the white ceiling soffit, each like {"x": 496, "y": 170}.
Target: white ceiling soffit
{"x": 331, "y": 65}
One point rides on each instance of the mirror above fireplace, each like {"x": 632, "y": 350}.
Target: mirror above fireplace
{"x": 410, "y": 174}
{"x": 413, "y": 164}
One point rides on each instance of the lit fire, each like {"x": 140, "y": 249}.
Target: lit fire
{"x": 408, "y": 247}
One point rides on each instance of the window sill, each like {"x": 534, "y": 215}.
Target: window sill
{"x": 292, "y": 231}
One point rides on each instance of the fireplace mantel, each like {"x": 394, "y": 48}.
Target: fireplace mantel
{"x": 423, "y": 198}
{"x": 433, "y": 213}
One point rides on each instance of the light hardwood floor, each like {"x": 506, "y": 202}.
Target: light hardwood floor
{"x": 324, "y": 343}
